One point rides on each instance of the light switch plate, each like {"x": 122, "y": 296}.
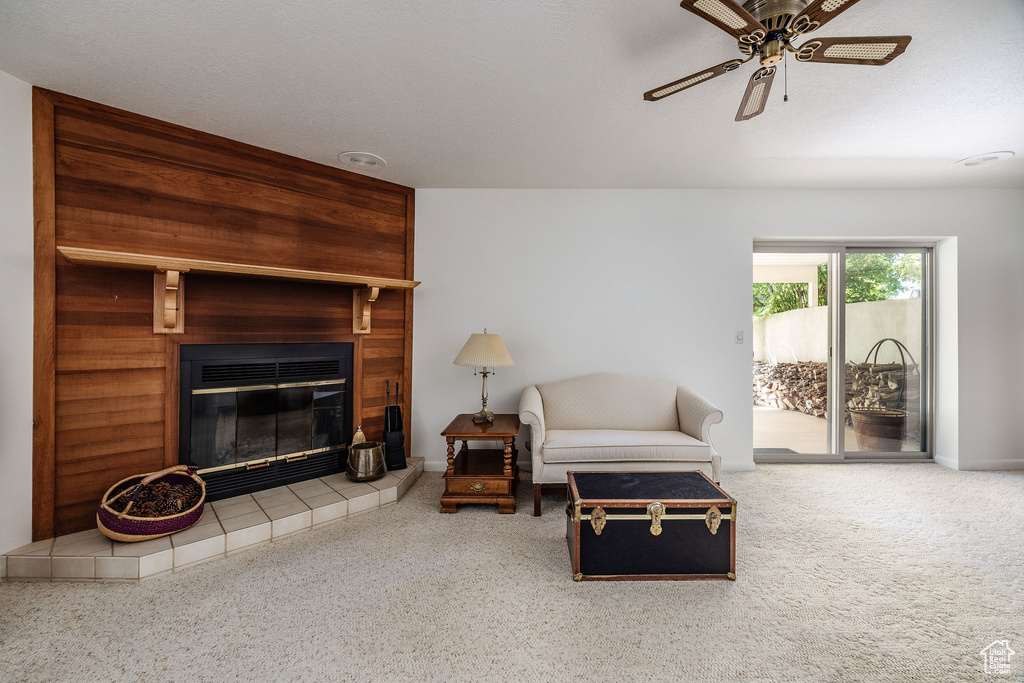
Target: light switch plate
{"x": 739, "y": 336}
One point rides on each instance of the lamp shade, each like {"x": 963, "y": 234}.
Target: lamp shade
{"x": 484, "y": 351}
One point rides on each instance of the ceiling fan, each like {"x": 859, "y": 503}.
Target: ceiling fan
{"x": 766, "y": 28}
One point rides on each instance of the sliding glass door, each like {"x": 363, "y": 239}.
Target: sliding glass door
{"x": 841, "y": 352}
{"x": 792, "y": 368}
{"x": 885, "y": 349}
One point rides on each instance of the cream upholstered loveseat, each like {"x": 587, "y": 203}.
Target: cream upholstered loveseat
{"x": 616, "y": 423}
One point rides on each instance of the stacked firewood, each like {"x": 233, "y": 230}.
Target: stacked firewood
{"x": 870, "y": 385}
{"x": 804, "y": 387}
{"x": 160, "y": 499}
{"x": 792, "y": 386}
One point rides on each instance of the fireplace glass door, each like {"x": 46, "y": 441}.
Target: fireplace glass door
{"x": 235, "y": 425}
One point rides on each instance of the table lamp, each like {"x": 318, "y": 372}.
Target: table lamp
{"x": 484, "y": 351}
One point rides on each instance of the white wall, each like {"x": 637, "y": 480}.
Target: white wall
{"x": 802, "y": 334}
{"x": 15, "y": 312}
{"x": 947, "y": 358}
{"x": 793, "y": 336}
{"x": 657, "y": 282}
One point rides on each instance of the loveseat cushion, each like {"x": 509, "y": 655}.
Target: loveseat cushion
{"x": 610, "y": 401}
{"x": 613, "y": 445}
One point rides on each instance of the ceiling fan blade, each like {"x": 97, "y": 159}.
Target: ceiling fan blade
{"x": 819, "y": 13}
{"x": 728, "y": 16}
{"x": 692, "y": 80}
{"x": 874, "y": 50}
{"x": 756, "y": 96}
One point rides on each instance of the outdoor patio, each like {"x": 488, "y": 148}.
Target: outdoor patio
{"x": 800, "y": 433}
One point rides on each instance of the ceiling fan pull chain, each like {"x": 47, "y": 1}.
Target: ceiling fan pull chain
{"x": 785, "y": 69}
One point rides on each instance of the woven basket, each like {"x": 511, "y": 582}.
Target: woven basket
{"x": 120, "y": 526}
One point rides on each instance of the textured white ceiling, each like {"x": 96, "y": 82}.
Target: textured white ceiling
{"x": 544, "y": 93}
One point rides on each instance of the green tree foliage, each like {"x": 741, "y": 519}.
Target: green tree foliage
{"x": 869, "y": 277}
{"x": 880, "y": 277}
{"x": 776, "y": 297}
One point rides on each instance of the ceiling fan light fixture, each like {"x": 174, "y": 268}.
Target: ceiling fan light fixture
{"x": 772, "y": 51}
{"x": 364, "y": 161}
{"x": 984, "y": 159}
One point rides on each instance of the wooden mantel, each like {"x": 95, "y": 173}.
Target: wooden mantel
{"x": 168, "y": 297}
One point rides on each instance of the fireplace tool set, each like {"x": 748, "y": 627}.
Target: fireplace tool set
{"x": 369, "y": 460}
{"x": 394, "y": 432}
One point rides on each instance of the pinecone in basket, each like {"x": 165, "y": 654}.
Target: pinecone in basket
{"x": 161, "y": 499}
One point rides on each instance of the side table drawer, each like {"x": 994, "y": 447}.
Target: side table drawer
{"x": 481, "y": 486}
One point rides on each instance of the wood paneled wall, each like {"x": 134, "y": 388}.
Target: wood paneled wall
{"x": 105, "y": 402}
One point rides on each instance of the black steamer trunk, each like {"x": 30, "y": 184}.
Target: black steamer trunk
{"x": 649, "y": 525}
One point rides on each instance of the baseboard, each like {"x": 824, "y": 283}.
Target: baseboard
{"x": 951, "y": 463}
{"x": 992, "y": 465}
{"x": 524, "y": 468}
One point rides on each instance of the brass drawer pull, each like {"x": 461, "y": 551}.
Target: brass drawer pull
{"x": 477, "y": 486}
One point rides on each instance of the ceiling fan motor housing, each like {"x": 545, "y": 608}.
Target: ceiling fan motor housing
{"x": 777, "y": 16}
{"x": 773, "y": 48}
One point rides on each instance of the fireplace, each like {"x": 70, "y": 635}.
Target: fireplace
{"x": 256, "y": 416}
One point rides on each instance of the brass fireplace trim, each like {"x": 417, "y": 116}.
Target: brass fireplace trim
{"x": 265, "y": 462}
{"x": 264, "y": 387}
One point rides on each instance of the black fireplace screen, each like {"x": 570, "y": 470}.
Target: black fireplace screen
{"x": 281, "y": 407}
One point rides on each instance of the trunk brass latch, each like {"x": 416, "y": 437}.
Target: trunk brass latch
{"x": 713, "y": 519}
{"x": 597, "y": 519}
{"x": 655, "y": 510}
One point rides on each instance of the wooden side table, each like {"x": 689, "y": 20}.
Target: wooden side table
{"x": 481, "y": 475}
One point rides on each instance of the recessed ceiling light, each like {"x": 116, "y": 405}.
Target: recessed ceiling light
{"x": 364, "y": 161}
{"x": 983, "y": 159}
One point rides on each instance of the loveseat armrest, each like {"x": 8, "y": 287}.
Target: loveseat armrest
{"x": 531, "y": 412}
{"x": 696, "y": 415}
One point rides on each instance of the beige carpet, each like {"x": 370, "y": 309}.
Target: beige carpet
{"x": 846, "y": 573}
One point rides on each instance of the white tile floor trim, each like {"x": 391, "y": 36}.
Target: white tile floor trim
{"x": 227, "y": 526}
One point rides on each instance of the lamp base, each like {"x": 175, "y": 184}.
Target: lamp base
{"x": 483, "y": 416}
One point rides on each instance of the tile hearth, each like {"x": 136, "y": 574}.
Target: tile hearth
{"x": 227, "y": 526}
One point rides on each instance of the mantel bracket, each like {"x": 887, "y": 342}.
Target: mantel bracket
{"x": 168, "y": 302}
{"x": 362, "y": 298}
